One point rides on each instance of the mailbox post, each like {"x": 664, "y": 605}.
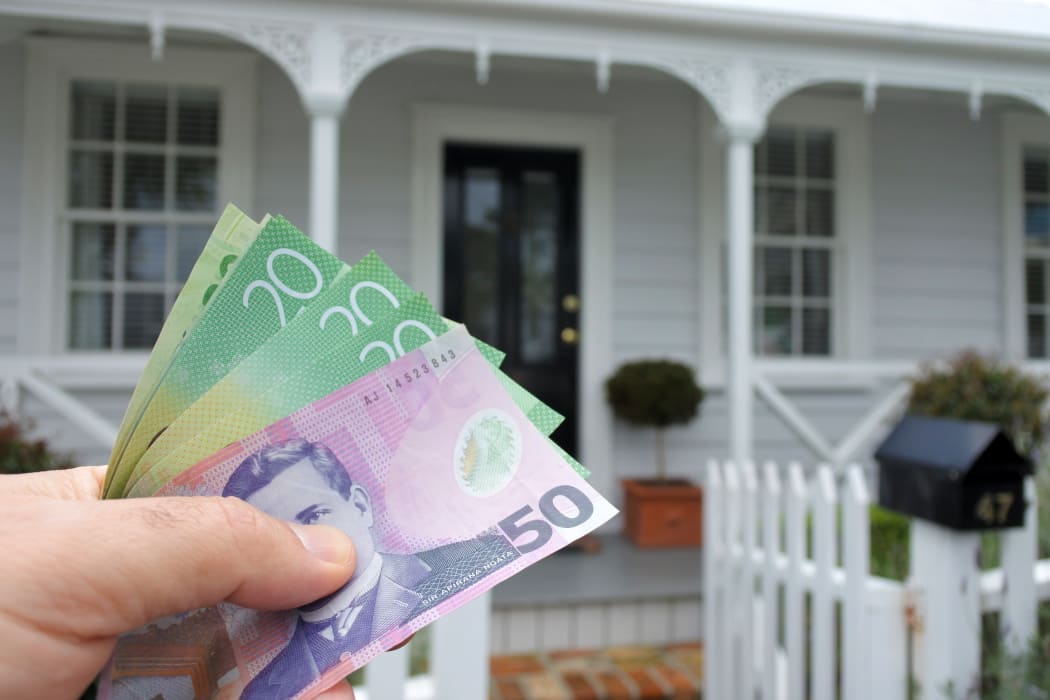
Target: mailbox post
{"x": 956, "y": 478}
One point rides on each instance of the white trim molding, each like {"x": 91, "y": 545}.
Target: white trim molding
{"x": 51, "y": 65}
{"x": 1017, "y": 130}
{"x": 433, "y": 126}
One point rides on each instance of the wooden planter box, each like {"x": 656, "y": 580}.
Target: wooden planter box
{"x": 663, "y": 513}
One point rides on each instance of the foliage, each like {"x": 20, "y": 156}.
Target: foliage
{"x": 1042, "y": 494}
{"x": 21, "y": 454}
{"x": 1023, "y": 676}
{"x": 1020, "y": 676}
{"x": 889, "y": 543}
{"x": 654, "y": 393}
{"x": 974, "y": 387}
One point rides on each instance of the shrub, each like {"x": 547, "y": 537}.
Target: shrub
{"x": 21, "y": 454}
{"x": 1017, "y": 676}
{"x": 654, "y": 393}
{"x": 889, "y": 543}
{"x": 974, "y": 387}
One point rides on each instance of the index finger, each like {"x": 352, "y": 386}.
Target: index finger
{"x": 77, "y": 484}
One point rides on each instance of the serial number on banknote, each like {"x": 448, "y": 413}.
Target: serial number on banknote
{"x": 411, "y": 375}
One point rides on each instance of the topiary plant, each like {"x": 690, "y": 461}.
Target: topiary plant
{"x": 974, "y": 387}
{"x": 657, "y": 394}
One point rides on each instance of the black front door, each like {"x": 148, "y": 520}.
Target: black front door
{"x": 512, "y": 264}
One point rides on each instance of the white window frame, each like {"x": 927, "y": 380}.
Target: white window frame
{"x": 851, "y": 259}
{"x": 1018, "y": 130}
{"x": 799, "y": 242}
{"x": 51, "y": 66}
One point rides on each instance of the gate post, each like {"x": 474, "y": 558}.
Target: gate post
{"x": 945, "y": 585}
{"x": 955, "y": 478}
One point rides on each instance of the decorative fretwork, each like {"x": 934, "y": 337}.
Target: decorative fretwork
{"x": 727, "y": 83}
{"x": 363, "y": 51}
{"x": 710, "y": 76}
{"x": 1036, "y": 95}
{"x": 775, "y": 81}
{"x": 288, "y": 44}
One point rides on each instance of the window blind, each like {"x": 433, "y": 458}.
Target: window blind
{"x": 143, "y": 172}
{"x": 794, "y": 218}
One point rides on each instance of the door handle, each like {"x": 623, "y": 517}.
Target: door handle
{"x": 570, "y": 336}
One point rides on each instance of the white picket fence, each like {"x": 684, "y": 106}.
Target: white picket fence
{"x": 791, "y": 610}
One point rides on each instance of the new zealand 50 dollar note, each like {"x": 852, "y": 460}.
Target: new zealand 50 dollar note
{"x": 445, "y": 487}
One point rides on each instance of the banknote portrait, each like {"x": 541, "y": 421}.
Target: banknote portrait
{"x": 304, "y": 482}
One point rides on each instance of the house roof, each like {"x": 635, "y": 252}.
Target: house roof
{"x": 1012, "y": 25}
{"x": 1004, "y": 24}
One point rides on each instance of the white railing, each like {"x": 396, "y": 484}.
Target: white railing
{"x": 48, "y": 380}
{"x": 786, "y": 553}
{"x": 773, "y": 379}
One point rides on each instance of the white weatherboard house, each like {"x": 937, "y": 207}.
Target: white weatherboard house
{"x": 802, "y": 199}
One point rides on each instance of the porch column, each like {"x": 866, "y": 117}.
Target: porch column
{"x": 739, "y": 224}
{"x": 324, "y": 171}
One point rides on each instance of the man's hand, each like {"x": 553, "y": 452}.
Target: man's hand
{"x": 79, "y": 571}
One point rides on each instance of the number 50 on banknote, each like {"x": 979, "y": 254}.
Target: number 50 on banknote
{"x": 442, "y": 482}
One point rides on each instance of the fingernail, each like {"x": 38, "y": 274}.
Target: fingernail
{"x": 325, "y": 543}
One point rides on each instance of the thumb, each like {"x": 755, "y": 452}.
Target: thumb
{"x": 136, "y": 560}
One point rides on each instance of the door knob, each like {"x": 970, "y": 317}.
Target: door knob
{"x": 570, "y": 336}
{"x": 571, "y": 303}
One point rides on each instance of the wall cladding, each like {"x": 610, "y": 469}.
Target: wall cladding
{"x": 936, "y": 242}
{"x": 12, "y": 79}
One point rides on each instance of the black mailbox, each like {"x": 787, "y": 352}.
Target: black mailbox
{"x": 961, "y": 474}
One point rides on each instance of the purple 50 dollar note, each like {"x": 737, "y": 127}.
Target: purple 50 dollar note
{"x": 440, "y": 480}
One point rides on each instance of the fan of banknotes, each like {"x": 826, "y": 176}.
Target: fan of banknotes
{"x": 323, "y": 392}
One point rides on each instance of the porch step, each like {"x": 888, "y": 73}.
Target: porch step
{"x": 619, "y": 572}
{"x": 619, "y": 596}
{"x": 671, "y": 672}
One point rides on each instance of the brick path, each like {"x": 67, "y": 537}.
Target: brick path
{"x": 618, "y": 673}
